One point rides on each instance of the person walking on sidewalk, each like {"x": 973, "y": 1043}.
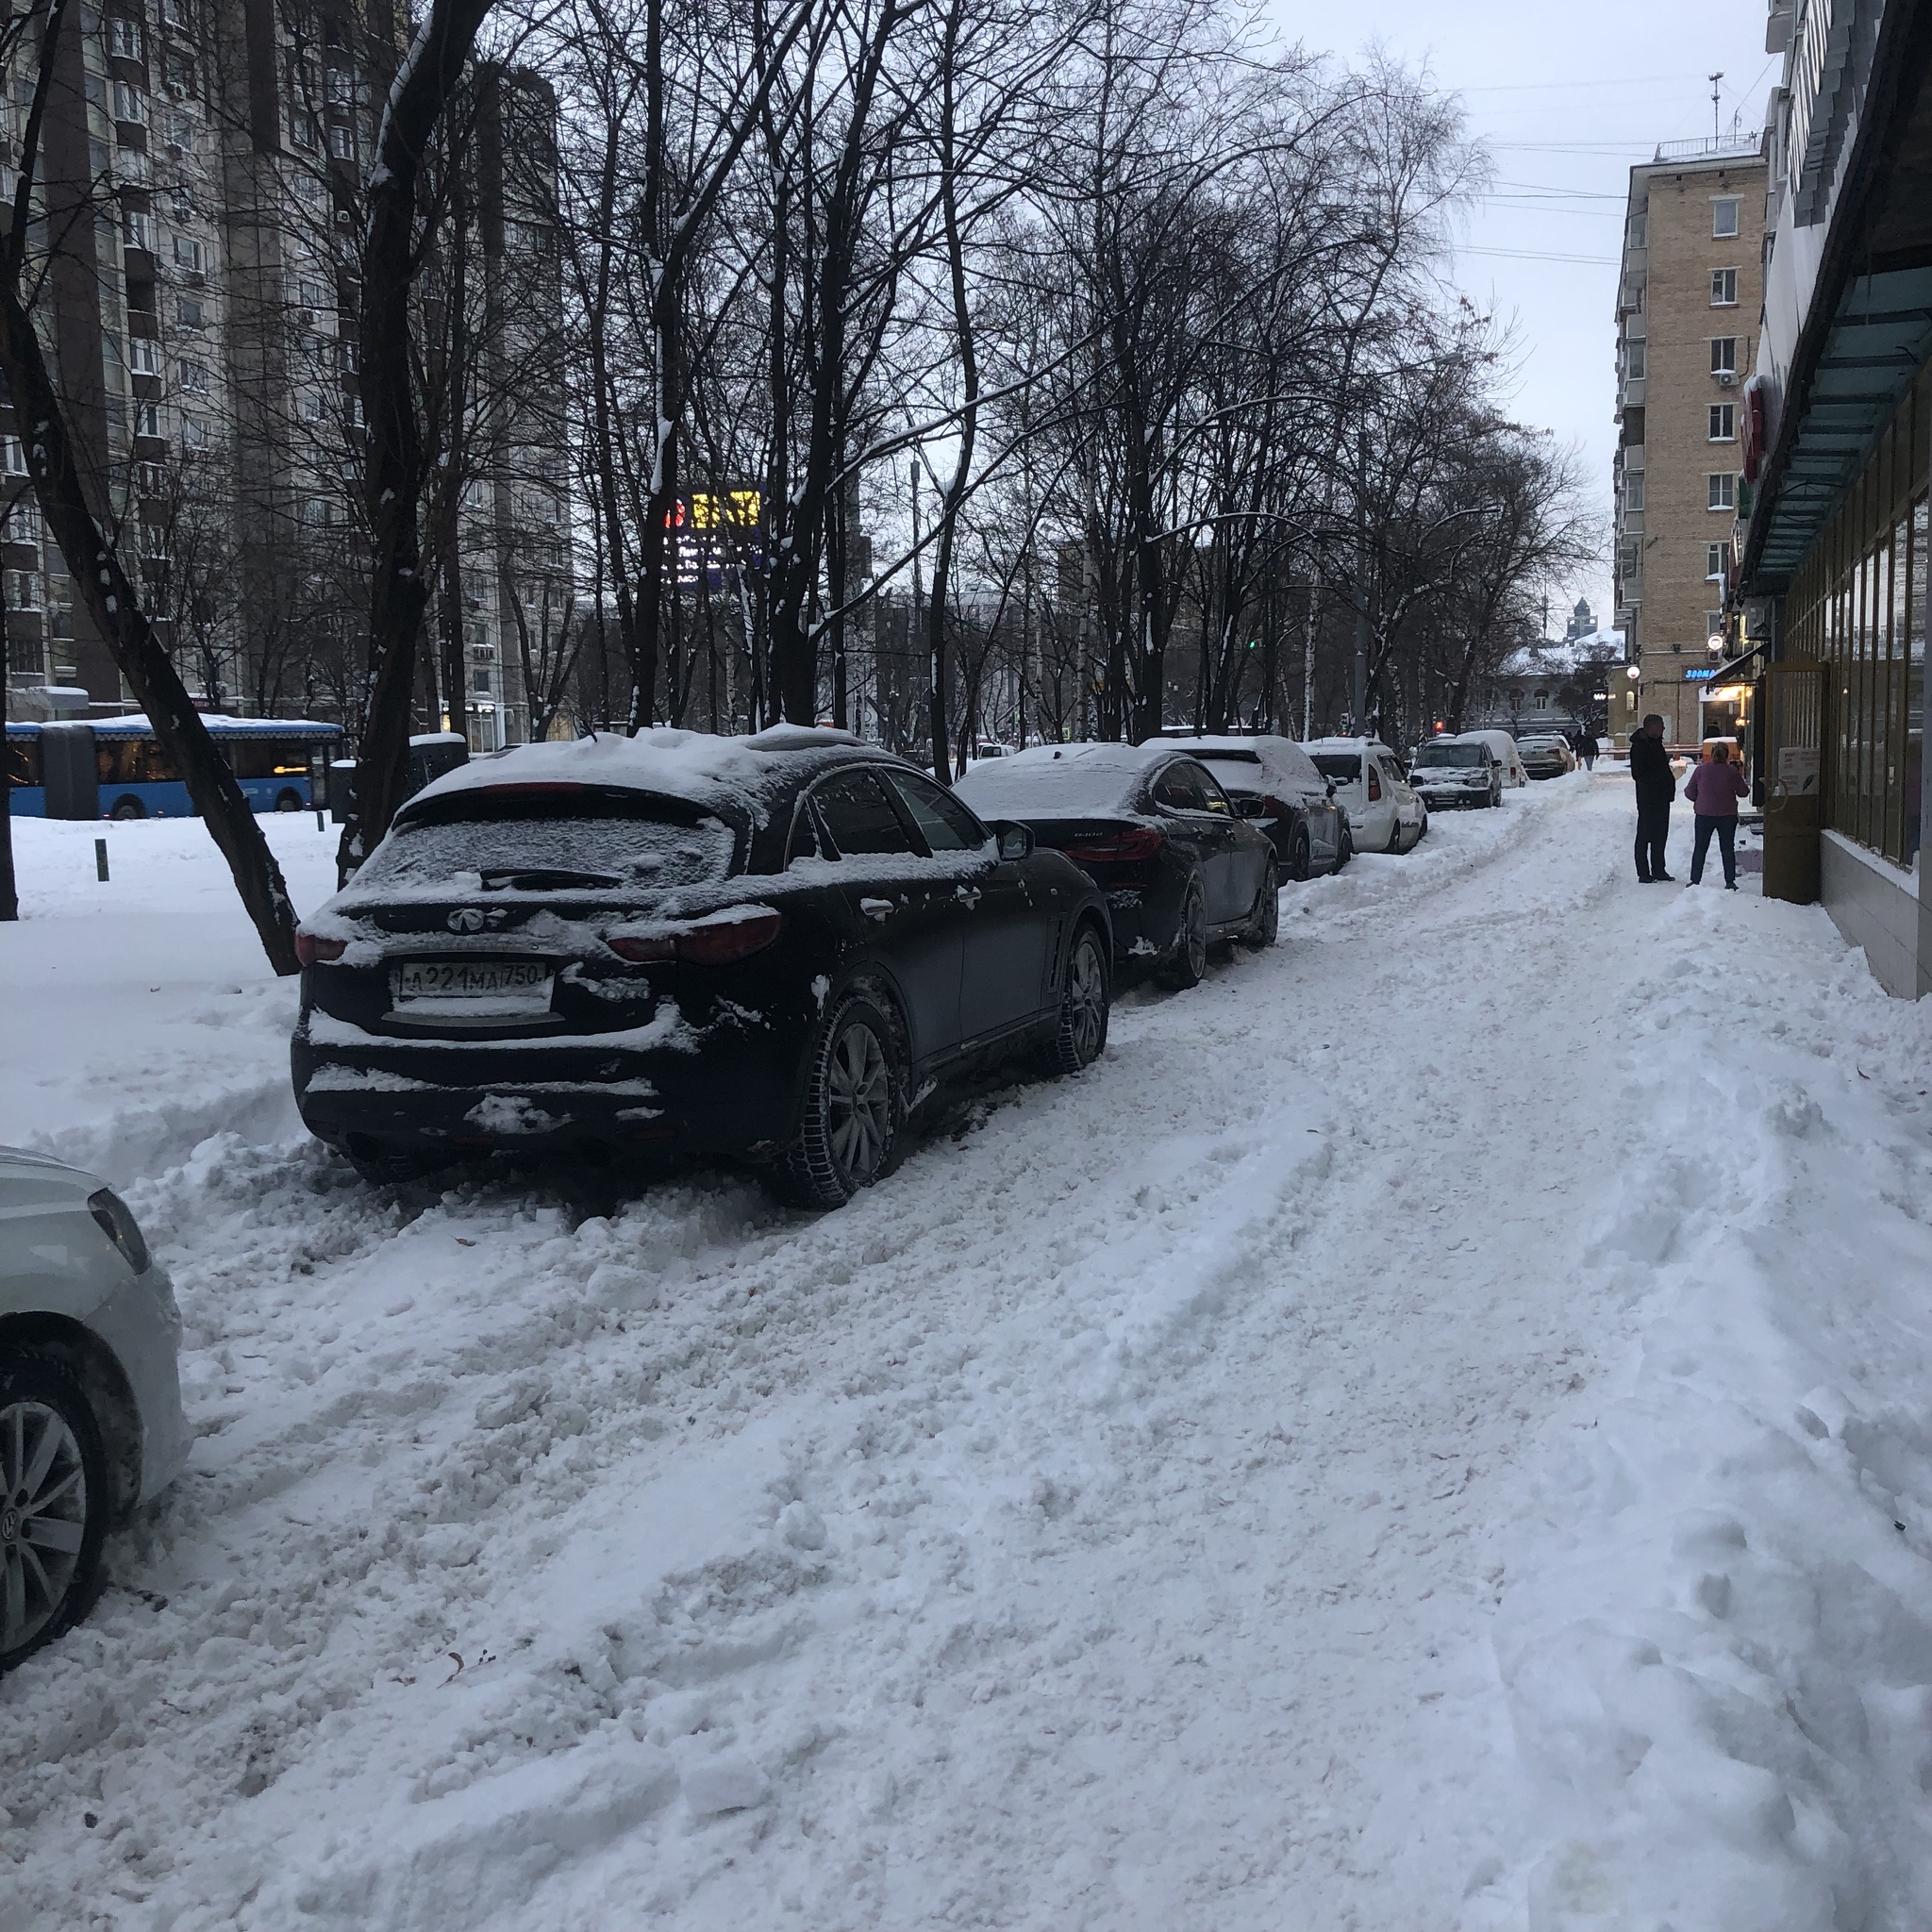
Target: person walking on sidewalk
{"x": 1712, "y": 792}
{"x": 1587, "y": 750}
{"x": 1656, "y": 785}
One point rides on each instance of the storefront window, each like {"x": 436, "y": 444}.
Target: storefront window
{"x": 1859, "y": 603}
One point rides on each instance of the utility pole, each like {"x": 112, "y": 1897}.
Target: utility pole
{"x": 1358, "y": 720}
{"x": 1716, "y": 132}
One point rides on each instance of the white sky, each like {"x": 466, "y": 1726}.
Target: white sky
{"x": 1566, "y": 97}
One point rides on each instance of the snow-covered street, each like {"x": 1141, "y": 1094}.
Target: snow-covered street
{"x": 1433, "y": 1431}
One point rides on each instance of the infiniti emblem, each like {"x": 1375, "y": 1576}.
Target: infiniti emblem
{"x": 466, "y": 918}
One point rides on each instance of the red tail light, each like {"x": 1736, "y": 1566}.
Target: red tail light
{"x": 1273, "y": 807}
{"x": 1375, "y": 788}
{"x": 1141, "y": 842}
{"x": 308, "y": 949}
{"x": 716, "y": 942}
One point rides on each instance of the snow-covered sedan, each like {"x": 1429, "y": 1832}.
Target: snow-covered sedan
{"x": 1451, "y": 771}
{"x": 762, "y": 947}
{"x": 1151, "y": 827}
{"x": 90, "y": 1422}
{"x": 1273, "y": 783}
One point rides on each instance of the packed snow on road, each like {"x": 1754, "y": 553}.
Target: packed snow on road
{"x": 1433, "y": 1430}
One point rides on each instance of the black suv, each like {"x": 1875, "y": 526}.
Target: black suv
{"x": 765, "y": 947}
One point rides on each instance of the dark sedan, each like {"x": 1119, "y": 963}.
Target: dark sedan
{"x": 1153, "y": 829}
{"x": 767, "y": 947}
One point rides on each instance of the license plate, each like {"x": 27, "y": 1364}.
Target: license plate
{"x": 509, "y": 986}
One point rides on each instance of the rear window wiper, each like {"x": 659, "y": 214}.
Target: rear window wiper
{"x": 540, "y": 878}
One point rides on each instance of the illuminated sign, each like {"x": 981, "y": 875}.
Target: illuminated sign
{"x": 716, "y": 533}
{"x": 1698, "y": 676}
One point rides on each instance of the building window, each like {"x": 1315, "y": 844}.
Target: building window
{"x": 151, "y": 479}
{"x": 189, "y": 256}
{"x": 1724, "y": 216}
{"x": 175, "y": 14}
{"x": 123, "y": 41}
{"x": 23, "y": 523}
{"x": 479, "y": 681}
{"x": 1723, "y": 287}
{"x": 312, "y": 405}
{"x": 143, "y": 357}
{"x": 1714, "y": 627}
{"x": 1721, "y": 485}
{"x": 302, "y": 128}
{"x": 139, "y": 230}
{"x": 1715, "y": 561}
{"x": 1636, "y": 358}
{"x": 1723, "y": 423}
{"x": 1633, "y": 490}
{"x": 180, "y": 130}
{"x": 194, "y": 433}
{"x": 315, "y": 294}
{"x": 177, "y": 74}
{"x": 1638, "y": 225}
{"x": 189, "y": 312}
{"x": 1724, "y": 355}
{"x": 147, "y": 420}
{"x": 130, "y": 104}
{"x": 341, "y": 143}
{"x": 193, "y": 378}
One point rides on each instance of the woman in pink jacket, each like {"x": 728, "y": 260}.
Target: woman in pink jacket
{"x": 1712, "y": 792}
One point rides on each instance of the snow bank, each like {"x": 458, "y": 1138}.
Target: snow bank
{"x": 1717, "y": 1644}
{"x": 140, "y": 1015}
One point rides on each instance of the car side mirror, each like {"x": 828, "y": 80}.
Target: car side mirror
{"x": 1331, "y": 787}
{"x": 1015, "y": 842}
{"x": 1248, "y": 807}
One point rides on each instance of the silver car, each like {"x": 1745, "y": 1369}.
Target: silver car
{"x": 90, "y": 1422}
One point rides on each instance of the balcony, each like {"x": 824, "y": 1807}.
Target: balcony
{"x": 1713, "y": 148}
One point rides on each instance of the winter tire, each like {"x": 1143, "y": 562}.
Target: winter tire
{"x": 53, "y": 1503}
{"x": 128, "y": 808}
{"x": 854, "y": 1107}
{"x": 1187, "y": 964}
{"x": 1298, "y": 858}
{"x": 1081, "y": 1036}
{"x": 1394, "y": 844}
{"x": 1264, "y": 923}
{"x": 1345, "y": 849}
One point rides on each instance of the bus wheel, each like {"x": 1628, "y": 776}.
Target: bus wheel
{"x": 128, "y": 808}
{"x": 289, "y": 800}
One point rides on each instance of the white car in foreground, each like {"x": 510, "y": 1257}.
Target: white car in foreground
{"x": 90, "y": 1422}
{"x": 1384, "y": 812}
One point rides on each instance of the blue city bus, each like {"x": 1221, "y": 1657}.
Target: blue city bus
{"x": 113, "y": 768}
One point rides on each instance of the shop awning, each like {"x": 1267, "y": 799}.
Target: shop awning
{"x": 1747, "y": 669}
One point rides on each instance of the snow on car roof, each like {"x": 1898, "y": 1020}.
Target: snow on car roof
{"x": 1062, "y": 780}
{"x": 698, "y": 766}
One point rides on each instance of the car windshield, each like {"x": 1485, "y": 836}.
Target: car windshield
{"x": 1449, "y": 754}
{"x": 545, "y": 842}
{"x": 1345, "y": 767}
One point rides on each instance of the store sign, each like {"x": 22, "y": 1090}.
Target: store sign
{"x": 1699, "y": 677}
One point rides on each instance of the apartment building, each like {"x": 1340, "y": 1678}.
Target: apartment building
{"x": 1687, "y": 309}
{"x": 198, "y": 209}
{"x": 1832, "y": 581}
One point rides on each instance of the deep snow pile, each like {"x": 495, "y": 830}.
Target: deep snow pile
{"x": 1410, "y": 1440}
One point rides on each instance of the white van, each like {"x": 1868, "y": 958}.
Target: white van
{"x": 1507, "y": 755}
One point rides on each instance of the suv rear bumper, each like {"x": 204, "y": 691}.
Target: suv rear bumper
{"x": 732, "y": 1088}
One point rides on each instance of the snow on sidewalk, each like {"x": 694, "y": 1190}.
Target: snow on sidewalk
{"x": 1411, "y": 1439}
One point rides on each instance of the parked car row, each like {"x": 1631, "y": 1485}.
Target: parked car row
{"x": 768, "y": 948}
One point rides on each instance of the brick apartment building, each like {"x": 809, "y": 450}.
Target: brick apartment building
{"x": 197, "y": 207}
{"x": 1688, "y": 312}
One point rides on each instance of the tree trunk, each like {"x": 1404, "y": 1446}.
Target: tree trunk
{"x": 393, "y": 467}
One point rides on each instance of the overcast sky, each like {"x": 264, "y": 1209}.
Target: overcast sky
{"x": 1566, "y": 99}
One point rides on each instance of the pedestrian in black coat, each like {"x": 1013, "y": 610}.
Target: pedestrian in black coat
{"x": 1587, "y": 749}
{"x": 1656, "y": 785}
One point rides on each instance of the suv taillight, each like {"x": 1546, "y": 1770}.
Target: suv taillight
{"x": 308, "y": 949}
{"x": 715, "y": 942}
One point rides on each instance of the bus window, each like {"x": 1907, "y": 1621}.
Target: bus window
{"x": 250, "y": 757}
{"x": 23, "y": 760}
{"x": 133, "y": 762}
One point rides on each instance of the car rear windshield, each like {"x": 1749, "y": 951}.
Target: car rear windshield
{"x": 1450, "y": 755}
{"x": 1238, "y": 771}
{"x": 1345, "y": 767}
{"x": 1049, "y": 787}
{"x": 589, "y": 839}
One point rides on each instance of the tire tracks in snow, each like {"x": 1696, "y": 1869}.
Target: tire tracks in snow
{"x": 1093, "y": 1526}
